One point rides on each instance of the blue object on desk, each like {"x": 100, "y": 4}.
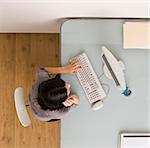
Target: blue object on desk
{"x": 127, "y": 91}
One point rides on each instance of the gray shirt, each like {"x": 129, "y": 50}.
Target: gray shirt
{"x": 38, "y": 112}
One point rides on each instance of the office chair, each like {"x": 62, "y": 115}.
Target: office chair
{"x": 21, "y": 107}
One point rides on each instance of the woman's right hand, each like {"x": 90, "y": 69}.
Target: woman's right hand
{"x": 72, "y": 68}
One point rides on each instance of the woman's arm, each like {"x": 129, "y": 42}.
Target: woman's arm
{"x": 70, "y": 69}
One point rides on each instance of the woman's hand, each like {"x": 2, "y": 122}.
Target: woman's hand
{"x": 72, "y": 68}
{"x": 74, "y": 99}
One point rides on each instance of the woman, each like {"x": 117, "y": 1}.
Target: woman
{"x": 50, "y": 97}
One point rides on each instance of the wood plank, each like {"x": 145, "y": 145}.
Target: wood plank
{"x": 20, "y": 56}
{"x": 32, "y": 52}
{"x": 7, "y": 84}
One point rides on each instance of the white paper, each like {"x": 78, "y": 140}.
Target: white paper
{"x": 138, "y": 142}
{"x": 136, "y": 35}
{"x": 135, "y": 140}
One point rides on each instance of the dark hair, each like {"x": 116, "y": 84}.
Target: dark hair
{"x": 52, "y": 93}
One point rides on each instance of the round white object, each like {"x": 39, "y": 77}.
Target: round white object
{"x": 97, "y": 105}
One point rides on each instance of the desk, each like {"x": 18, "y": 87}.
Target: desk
{"x": 83, "y": 128}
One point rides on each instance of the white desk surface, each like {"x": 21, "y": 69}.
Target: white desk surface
{"x": 83, "y": 128}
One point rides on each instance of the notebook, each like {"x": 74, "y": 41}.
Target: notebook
{"x": 135, "y": 140}
{"x": 136, "y": 35}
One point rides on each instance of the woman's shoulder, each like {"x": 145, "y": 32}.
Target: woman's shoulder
{"x": 42, "y": 73}
{"x": 41, "y": 76}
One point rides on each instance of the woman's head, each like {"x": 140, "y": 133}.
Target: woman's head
{"x": 52, "y": 93}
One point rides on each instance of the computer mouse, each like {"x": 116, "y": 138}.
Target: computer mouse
{"x": 97, "y": 105}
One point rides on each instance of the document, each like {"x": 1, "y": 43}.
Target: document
{"x": 135, "y": 141}
{"x": 136, "y": 35}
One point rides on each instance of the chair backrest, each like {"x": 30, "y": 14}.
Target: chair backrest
{"x": 21, "y": 107}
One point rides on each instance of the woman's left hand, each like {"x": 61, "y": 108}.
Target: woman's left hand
{"x": 73, "y": 99}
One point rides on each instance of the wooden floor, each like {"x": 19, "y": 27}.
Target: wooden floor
{"x": 20, "y": 56}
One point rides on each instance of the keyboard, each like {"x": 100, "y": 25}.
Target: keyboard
{"x": 88, "y": 79}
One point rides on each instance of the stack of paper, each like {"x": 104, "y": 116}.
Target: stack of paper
{"x": 135, "y": 140}
{"x": 136, "y": 35}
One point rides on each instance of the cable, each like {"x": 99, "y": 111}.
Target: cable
{"x": 108, "y": 87}
{"x": 104, "y": 84}
{"x": 101, "y": 76}
{"x": 102, "y": 73}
